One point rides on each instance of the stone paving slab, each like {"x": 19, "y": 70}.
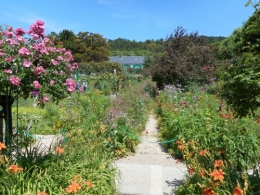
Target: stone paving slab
{"x": 139, "y": 179}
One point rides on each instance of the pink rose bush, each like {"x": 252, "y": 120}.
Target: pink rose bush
{"x": 31, "y": 62}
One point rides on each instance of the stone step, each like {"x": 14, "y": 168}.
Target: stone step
{"x": 140, "y": 179}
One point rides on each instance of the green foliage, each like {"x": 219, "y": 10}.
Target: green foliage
{"x": 230, "y": 47}
{"x": 241, "y": 88}
{"x": 207, "y": 131}
{"x": 101, "y": 68}
{"x": 186, "y": 58}
{"x": 68, "y": 39}
{"x": 93, "y": 137}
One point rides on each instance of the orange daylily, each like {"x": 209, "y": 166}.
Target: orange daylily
{"x": 218, "y": 163}
{"x": 208, "y": 191}
{"x": 2, "y": 146}
{"x": 228, "y": 116}
{"x": 181, "y": 147}
{"x": 73, "y": 187}
{"x": 237, "y": 191}
{"x": 59, "y": 150}
{"x": 191, "y": 170}
{"x": 218, "y": 174}
{"x": 180, "y": 141}
{"x": 202, "y": 172}
{"x": 203, "y": 152}
{"x": 90, "y": 184}
{"x": 42, "y": 193}
{"x": 14, "y": 168}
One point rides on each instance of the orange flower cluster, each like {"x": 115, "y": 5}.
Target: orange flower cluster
{"x": 181, "y": 147}
{"x": 208, "y": 191}
{"x": 226, "y": 116}
{"x": 218, "y": 163}
{"x": 76, "y": 184}
{"x": 203, "y": 152}
{"x": 237, "y": 191}
{"x": 218, "y": 175}
{"x": 2, "y": 146}
{"x": 14, "y": 168}
{"x": 73, "y": 187}
{"x": 59, "y": 150}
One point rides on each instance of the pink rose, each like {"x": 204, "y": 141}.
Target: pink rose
{"x": 52, "y": 82}
{"x": 60, "y": 58}
{"x": 9, "y": 34}
{"x": 8, "y": 71}
{"x": 24, "y": 51}
{"x": 70, "y": 85}
{"x": 54, "y": 62}
{"x": 19, "y": 32}
{"x": 9, "y": 59}
{"x": 39, "y": 70}
{"x": 46, "y": 99}
{"x": 15, "y": 80}
{"x": 26, "y": 63}
{"x": 55, "y": 72}
{"x": 36, "y": 85}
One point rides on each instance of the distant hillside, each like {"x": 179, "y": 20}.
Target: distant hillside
{"x": 129, "y": 48}
{"x": 212, "y": 39}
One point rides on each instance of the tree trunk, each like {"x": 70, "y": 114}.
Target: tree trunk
{"x": 6, "y": 102}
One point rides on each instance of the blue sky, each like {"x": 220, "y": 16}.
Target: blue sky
{"x": 129, "y": 19}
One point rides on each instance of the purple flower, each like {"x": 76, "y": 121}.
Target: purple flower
{"x": 34, "y": 93}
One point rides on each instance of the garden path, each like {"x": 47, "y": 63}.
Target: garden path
{"x": 150, "y": 171}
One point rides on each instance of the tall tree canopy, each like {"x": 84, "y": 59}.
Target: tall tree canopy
{"x": 187, "y": 57}
{"x": 242, "y": 79}
{"x": 91, "y": 47}
{"x": 85, "y": 46}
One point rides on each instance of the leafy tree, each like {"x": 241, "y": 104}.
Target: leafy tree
{"x": 186, "y": 58}
{"x": 148, "y": 62}
{"x": 91, "y": 47}
{"x": 230, "y": 47}
{"x": 242, "y": 79}
{"x": 68, "y": 39}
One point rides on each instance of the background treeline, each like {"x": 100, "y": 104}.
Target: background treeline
{"x": 149, "y": 47}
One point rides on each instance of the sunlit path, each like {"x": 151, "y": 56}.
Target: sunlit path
{"x": 151, "y": 171}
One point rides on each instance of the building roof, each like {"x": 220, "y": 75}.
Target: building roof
{"x": 127, "y": 59}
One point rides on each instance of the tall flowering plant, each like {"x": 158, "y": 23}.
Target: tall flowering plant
{"x": 32, "y": 64}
